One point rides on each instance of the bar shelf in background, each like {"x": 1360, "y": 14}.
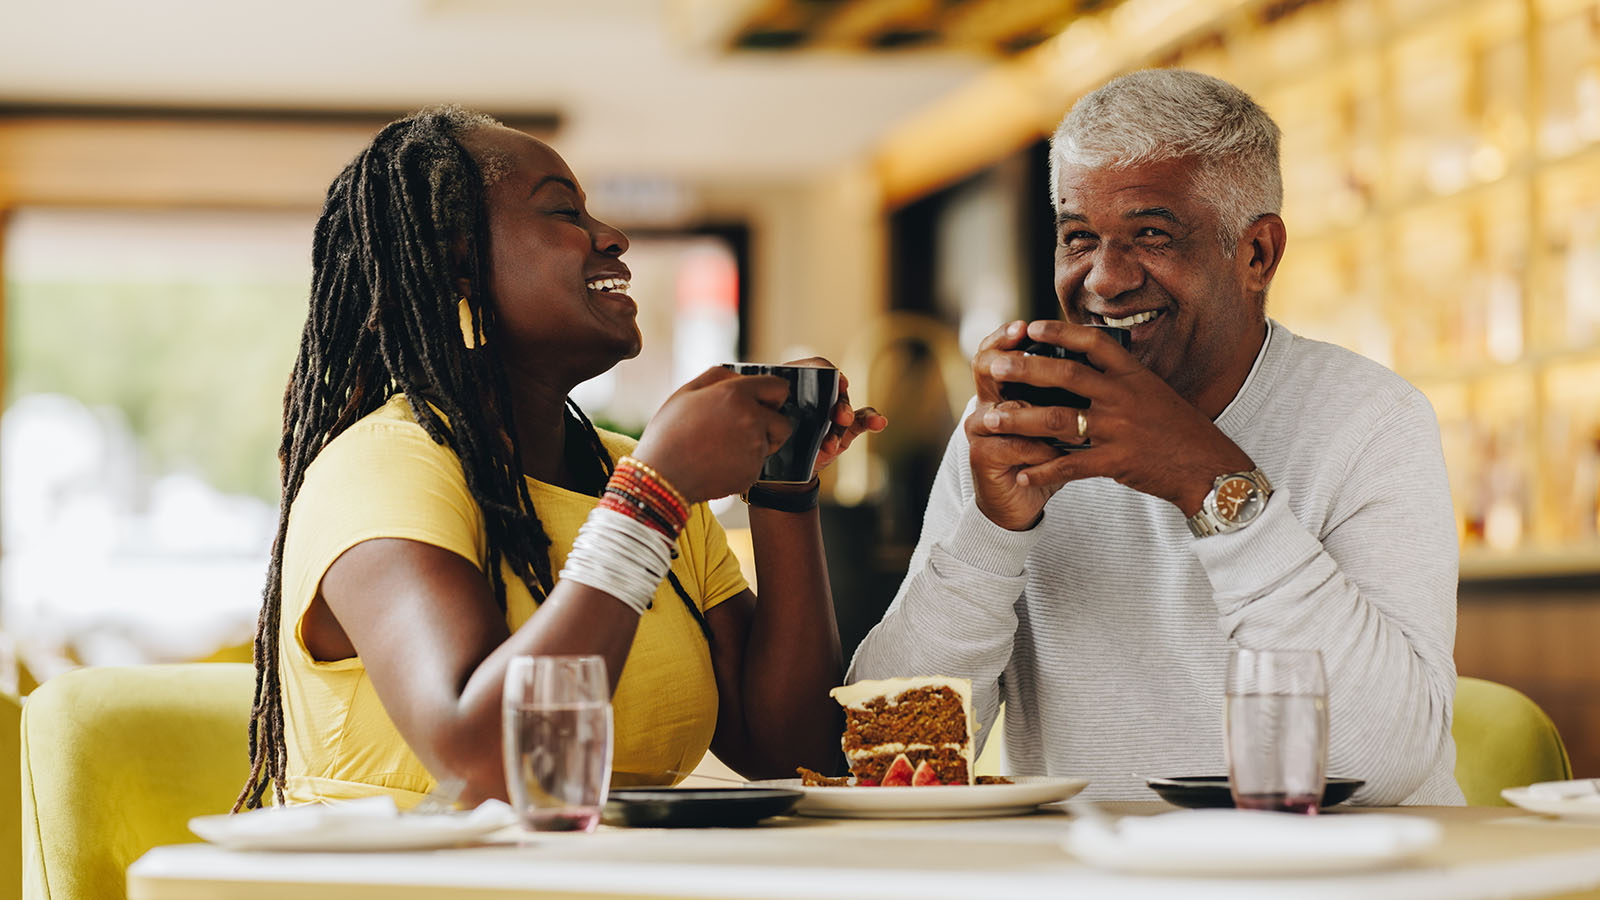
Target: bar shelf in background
{"x": 1442, "y": 182}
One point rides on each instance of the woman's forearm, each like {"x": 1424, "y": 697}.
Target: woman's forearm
{"x": 792, "y": 655}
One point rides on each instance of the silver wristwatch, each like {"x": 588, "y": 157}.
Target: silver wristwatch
{"x": 1236, "y": 500}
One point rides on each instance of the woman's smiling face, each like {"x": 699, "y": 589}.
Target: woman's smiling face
{"x": 556, "y": 281}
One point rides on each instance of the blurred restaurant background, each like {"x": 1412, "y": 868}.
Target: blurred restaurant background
{"x": 860, "y": 179}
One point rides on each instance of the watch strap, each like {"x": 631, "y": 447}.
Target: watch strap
{"x": 1201, "y": 524}
{"x": 1206, "y": 522}
{"x": 783, "y": 501}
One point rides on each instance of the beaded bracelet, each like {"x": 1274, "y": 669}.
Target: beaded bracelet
{"x": 639, "y": 492}
{"x": 629, "y": 462}
{"x": 641, "y": 505}
{"x": 635, "y": 508}
{"x": 632, "y": 481}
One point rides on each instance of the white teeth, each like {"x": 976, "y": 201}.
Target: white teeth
{"x": 1135, "y": 319}
{"x": 608, "y": 285}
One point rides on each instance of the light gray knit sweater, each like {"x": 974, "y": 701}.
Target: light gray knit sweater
{"x": 1105, "y": 629}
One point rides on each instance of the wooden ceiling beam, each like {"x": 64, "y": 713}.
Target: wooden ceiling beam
{"x": 778, "y": 25}
{"x": 1022, "y": 99}
{"x": 990, "y": 27}
{"x": 859, "y": 25}
{"x": 998, "y": 24}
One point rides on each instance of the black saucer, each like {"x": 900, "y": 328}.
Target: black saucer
{"x": 696, "y": 807}
{"x": 1211, "y": 791}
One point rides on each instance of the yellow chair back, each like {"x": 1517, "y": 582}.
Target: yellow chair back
{"x": 11, "y": 797}
{"x": 1503, "y": 739}
{"x": 117, "y": 760}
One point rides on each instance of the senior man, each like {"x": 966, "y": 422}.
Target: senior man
{"x": 1244, "y": 486}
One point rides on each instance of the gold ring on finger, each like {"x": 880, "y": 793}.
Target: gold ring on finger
{"x": 1083, "y": 425}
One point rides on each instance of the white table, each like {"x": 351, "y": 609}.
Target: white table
{"x": 1486, "y": 853}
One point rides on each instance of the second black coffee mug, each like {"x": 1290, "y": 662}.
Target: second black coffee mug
{"x": 813, "y": 390}
{"x": 1036, "y": 395}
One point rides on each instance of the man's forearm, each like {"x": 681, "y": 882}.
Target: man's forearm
{"x": 1376, "y": 595}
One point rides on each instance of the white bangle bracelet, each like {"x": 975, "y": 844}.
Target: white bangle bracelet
{"x": 621, "y": 556}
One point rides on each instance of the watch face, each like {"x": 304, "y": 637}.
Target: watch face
{"x": 1238, "y": 500}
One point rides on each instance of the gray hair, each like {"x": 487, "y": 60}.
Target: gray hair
{"x": 460, "y": 122}
{"x": 1162, "y": 114}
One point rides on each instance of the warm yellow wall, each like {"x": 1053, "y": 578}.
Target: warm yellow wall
{"x": 819, "y": 256}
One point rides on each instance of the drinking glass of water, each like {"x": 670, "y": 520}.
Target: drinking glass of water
{"x": 1276, "y": 729}
{"x": 557, "y": 728}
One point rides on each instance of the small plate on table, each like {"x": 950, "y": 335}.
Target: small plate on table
{"x": 1211, "y": 791}
{"x": 1566, "y": 800}
{"x": 370, "y": 823}
{"x": 697, "y": 807}
{"x": 944, "y": 801}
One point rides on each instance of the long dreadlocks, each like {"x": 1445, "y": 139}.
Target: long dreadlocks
{"x": 400, "y": 225}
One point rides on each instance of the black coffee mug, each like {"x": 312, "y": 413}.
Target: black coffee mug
{"x": 813, "y": 390}
{"x": 1036, "y": 395}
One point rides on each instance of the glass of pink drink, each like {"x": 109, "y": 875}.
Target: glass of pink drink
{"x": 1276, "y": 729}
{"x": 557, "y": 729}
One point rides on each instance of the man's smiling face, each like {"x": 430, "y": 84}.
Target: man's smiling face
{"x": 1136, "y": 247}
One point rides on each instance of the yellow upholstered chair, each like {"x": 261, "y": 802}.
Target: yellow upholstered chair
{"x": 10, "y": 797}
{"x": 116, "y": 761}
{"x": 1503, "y": 739}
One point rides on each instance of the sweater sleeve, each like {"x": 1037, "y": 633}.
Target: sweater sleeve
{"x": 1374, "y": 593}
{"x": 955, "y": 613}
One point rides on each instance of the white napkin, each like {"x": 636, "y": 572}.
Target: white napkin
{"x": 1248, "y": 840}
{"x": 1582, "y": 790}
{"x": 376, "y": 817}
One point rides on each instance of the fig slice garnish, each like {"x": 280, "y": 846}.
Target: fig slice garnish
{"x": 899, "y": 773}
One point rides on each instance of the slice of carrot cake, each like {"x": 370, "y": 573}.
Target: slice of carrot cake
{"x": 908, "y": 731}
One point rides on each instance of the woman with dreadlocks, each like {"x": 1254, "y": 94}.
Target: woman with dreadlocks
{"x": 446, "y": 506}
